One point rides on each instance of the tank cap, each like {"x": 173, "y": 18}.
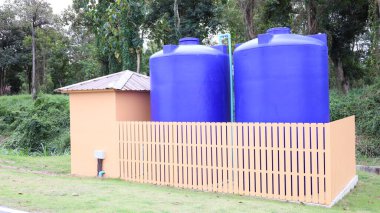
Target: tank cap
{"x": 279, "y": 30}
{"x": 188, "y": 41}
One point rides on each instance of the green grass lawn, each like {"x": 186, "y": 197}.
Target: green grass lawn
{"x": 43, "y": 184}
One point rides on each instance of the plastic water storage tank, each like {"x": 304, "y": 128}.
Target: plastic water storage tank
{"x": 282, "y": 77}
{"x": 190, "y": 82}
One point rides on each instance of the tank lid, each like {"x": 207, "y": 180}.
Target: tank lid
{"x": 279, "y": 30}
{"x": 188, "y": 41}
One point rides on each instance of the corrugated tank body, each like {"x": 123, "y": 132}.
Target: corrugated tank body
{"x": 190, "y": 82}
{"x": 282, "y": 77}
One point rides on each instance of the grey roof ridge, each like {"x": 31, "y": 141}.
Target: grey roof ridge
{"x": 123, "y": 80}
{"x": 91, "y": 80}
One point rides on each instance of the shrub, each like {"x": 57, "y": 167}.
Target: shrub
{"x": 364, "y": 103}
{"x": 42, "y": 127}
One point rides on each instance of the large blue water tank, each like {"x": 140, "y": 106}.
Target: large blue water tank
{"x": 282, "y": 77}
{"x": 190, "y": 82}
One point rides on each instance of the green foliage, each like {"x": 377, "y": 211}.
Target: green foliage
{"x": 273, "y": 13}
{"x": 41, "y": 127}
{"x": 364, "y": 103}
{"x": 196, "y": 19}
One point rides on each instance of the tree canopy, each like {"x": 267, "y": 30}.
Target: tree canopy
{"x": 40, "y": 51}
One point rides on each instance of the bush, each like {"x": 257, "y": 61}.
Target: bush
{"x": 40, "y": 127}
{"x": 364, "y": 103}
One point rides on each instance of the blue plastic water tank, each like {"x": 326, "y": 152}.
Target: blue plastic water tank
{"x": 282, "y": 77}
{"x": 190, "y": 82}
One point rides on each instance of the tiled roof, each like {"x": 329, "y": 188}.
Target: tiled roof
{"x": 124, "y": 81}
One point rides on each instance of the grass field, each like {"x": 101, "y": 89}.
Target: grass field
{"x": 43, "y": 184}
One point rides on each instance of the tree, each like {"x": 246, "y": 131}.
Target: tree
{"x": 169, "y": 21}
{"x": 119, "y": 31}
{"x": 247, "y": 9}
{"x": 37, "y": 13}
{"x": 11, "y": 49}
{"x": 344, "y": 21}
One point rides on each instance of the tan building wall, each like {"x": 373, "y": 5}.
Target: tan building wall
{"x": 93, "y": 127}
{"x": 132, "y": 106}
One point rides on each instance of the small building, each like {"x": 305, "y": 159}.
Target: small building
{"x": 95, "y": 107}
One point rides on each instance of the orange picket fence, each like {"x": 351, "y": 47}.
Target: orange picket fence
{"x": 311, "y": 163}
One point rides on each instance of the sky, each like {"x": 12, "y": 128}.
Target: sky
{"x": 57, "y": 5}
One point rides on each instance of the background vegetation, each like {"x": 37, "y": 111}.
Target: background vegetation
{"x": 39, "y": 127}
{"x": 41, "y": 51}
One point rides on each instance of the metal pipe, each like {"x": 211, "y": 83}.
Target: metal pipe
{"x": 221, "y": 37}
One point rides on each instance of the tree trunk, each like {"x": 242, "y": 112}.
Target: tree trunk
{"x": 2, "y": 76}
{"x": 341, "y": 81}
{"x": 138, "y": 62}
{"x": 177, "y": 20}
{"x": 34, "y": 91}
{"x": 312, "y": 17}
{"x": 247, "y": 7}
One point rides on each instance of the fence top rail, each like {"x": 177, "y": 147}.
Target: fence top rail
{"x": 223, "y": 123}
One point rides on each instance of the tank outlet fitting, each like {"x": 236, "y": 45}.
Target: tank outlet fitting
{"x": 101, "y": 173}
{"x": 99, "y": 154}
{"x": 188, "y": 41}
{"x": 279, "y": 30}
{"x": 169, "y": 48}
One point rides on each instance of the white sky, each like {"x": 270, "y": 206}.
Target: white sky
{"x": 57, "y": 5}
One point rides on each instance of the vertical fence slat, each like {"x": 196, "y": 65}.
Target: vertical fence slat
{"x": 209, "y": 166}
{"x": 225, "y": 157}
{"x": 314, "y": 163}
{"x": 269, "y": 160}
{"x": 251, "y": 159}
{"x": 282, "y": 161}
{"x": 219, "y": 147}
{"x": 308, "y": 183}
{"x": 145, "y": 151}
{"x": 235, "y": 158}
{"x": 276, "y": 173}
{"x": 132, "y": 151}
{"x": 203, "y": 150}
{"x": 188, "y": 154}
{"x": 193, "y": 156}
{"x": 321, "y": 164}
{"x": 239, "y": 157}
{"x": 301, "y": 161}
{"x": 257, "y": 161}
{"x": 149, "y": 149}
{"x": 186, "y": 157}
{"x": 167, "y": 153}
{"x": 230, "y": 136}
{"x": 246, "y": 158}
{"x": 156, "y": 144}
{"x": 294, "y": 162}
{"x": 175, "y": 153}
{"x": 180, "y": 154}
{"x": 287, "y": 159}
{"x": 138, "y": 151}
{"x": 263, "y": 173}
{"x": 213, "y": 158}
{"x": 171, "y": 155}
{"x": 199, "y": 156}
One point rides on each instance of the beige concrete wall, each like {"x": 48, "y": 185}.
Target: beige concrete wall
{"x": 92, "y": 127}
{"x": 93, "y": 117}
{"x": 343, "y": 163}
{"x": 132, "y": 106}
